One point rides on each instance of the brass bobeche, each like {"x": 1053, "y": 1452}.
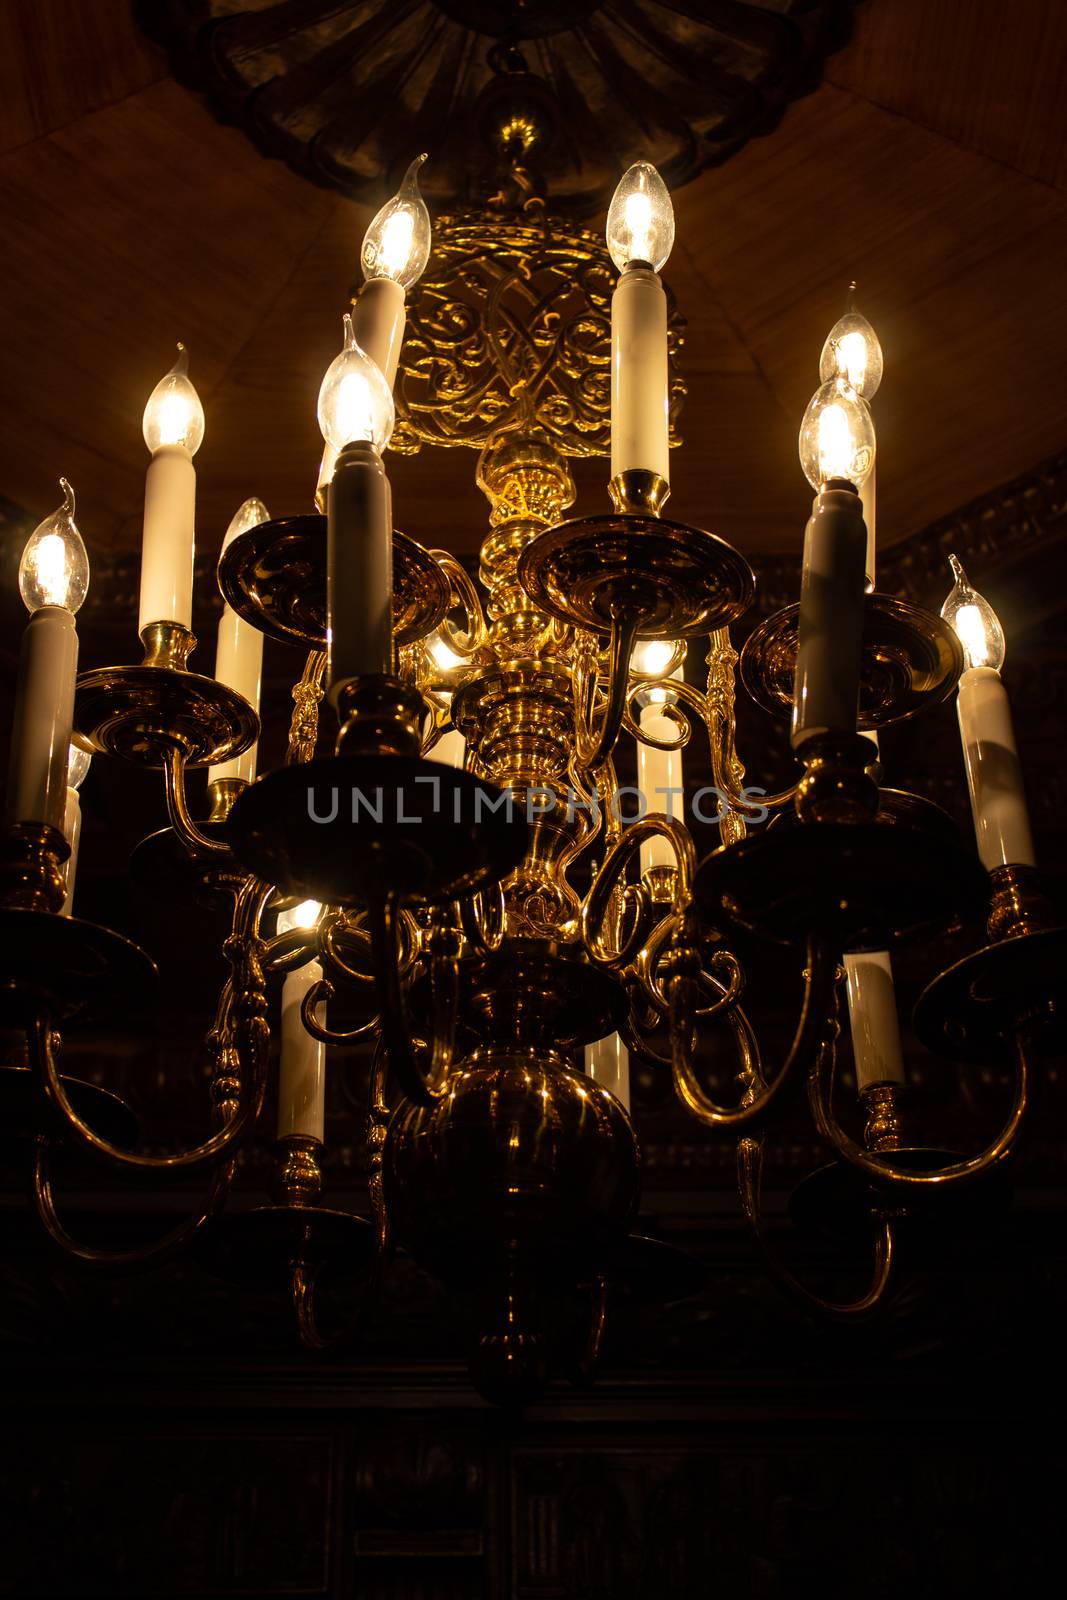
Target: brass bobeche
{"x": 1019, "y": 904}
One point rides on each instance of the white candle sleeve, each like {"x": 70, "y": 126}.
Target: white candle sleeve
{"x": 167, "y": 549}
{"x": 660, "y": 780}
{"x": 450, "y": 750}
{"x": 639, "y": 397}
{"x": 239, "y": 665}
{"x": 378, "y": 320}
{"x": 868, "y": 499}
{"x": 44, "y": 711}
{"x": 607, "y": 1062}
{"x": 830, "y": 643}
{"x": 360, "y": 567}
{"x": 302, "y": 1082}
{"x": 872, "y": 1012}
{"x": 72, "y": 827}
{"x": 994, "y": 778}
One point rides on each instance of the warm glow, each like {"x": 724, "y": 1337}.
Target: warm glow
{"x": 174, "y": 415}
{"x": 653, "y": 657}
{"x": 836, "y": 436}
{"x": 54, "y": 570}
{"x": 640, "y": 219}
{"x": 355, "y": 401}
{"x": 976, "y": 624}
{"x": 305, "y": 915}
{"x": 852, "y": 352}
{"x": 397, "y": 243}
{"x": 835, "y": 446}
{"x": 444, "y": 657}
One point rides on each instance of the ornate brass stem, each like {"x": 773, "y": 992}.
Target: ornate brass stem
{"x": 307, "y": 697}
{"x": 31, "y": 867}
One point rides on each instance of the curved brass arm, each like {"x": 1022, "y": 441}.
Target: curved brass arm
{"x": 242, "y": 1026}
{"x": 197, "y": 843}
{"x": 384, "y": 918}
{"x": 819, "y": 978}
{"x": 484, "y": 930}
{"x": 147, "y": 1255}
{"x": 465, "y": 594}
{"x": 597, "y": 903}
{"x": 820, "y": 1082}
{"x": 315, "y": 997}
{"x": 749, "y": 1180}
{"x": 594, "y": 745}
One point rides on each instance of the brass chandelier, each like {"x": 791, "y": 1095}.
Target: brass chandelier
{"x": 427, "y": 868}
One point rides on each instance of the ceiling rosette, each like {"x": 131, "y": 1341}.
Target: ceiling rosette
{"x": 345, "y": 90}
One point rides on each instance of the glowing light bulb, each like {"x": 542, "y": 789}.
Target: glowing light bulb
{"x": 54, "y": 570}
{"x": 852, "y": 352}
{"x": 640, "y": 219}
{"x": 976, "y": 624}
{"x": 174, "y": 414}
{"x": 78, "y": 762}
{"x": 652, "y": 657}
{"x": 397, "y": 243}
{"x": 305, "y": 915}
{"x": 355, "y": 401}
{"x": 444, "y": 657}
{"x": 249, "y": 514}
{"x": 836, "y": 436}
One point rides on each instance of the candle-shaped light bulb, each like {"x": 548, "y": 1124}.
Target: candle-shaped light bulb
{"x": 852, "y": 352}
{"x": 976, "y": 624}
{"x": 397, "y": 243}
{"x": 640, "y": 219}
{"x": 78, "y": 763}
{"x": 652, "y": 657}
{"x": 660, "y": 778}
{"x": 54, "y": 570}
{"x": 442, "y": 654}
{"x": 304, "y": 915}
{"x": 355, "y": 402}
{"x": 174, "y": 414}
{"x": 53, "y": 581}
{"x": 77, "y": 767}
{"x": 836, "y": 436}
{"x": 249, "y": 514}
{"x": 994, "y": 777}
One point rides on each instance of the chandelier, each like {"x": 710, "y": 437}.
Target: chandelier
{"x": 464, "y": 869}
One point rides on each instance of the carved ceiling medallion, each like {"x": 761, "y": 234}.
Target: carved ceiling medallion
{"x": 345, "y": 92}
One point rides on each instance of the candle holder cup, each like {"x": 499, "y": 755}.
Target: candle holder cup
{"x": 274, "y": 576}
{"x": 911, "y": 661}
{"x": 146, "y": 713}
{"x": 977, "y": 1010}
{"x": 632, "y": 575}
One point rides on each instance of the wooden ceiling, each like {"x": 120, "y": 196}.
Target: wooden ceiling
{"x": 931, "y": 165}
